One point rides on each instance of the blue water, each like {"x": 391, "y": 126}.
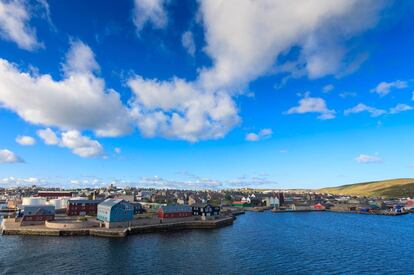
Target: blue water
{"x": 257, "y": 243}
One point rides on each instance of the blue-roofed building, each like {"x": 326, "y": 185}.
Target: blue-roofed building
{"x": 115, "y": 213}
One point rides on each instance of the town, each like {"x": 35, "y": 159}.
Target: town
{"x": 115, "y": 212}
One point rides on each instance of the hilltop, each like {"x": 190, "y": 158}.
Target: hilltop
{"x": 383, "y": 188}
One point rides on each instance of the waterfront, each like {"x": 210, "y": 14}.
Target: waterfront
{"x": 265, "y": 243}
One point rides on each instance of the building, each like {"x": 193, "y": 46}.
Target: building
{"x": 37, "y": 214}
{"x": 174, "y": 211}
{"x": 115, "y": 213}
{"x": 270, "y": 201}
{"x": 54, "y": 194}
{"x": 82, "y": 207}
{"x": 138, "y": 209}
{"x": 205, "y": 210}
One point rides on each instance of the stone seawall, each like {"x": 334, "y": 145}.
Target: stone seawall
{"x": 12, "y": 229}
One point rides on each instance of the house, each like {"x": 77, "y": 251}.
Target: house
{"x": 115, "y": 213}
{"x": 271, "y": 201}
{"x": 174, "y": 211}
{"x": 205, "y": 210}
{"x": 138, "y": 209}
{"x": 82, "y": 207}
{"x": 37, "y": 214}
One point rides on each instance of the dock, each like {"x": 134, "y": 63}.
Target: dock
{"x": 10, "y": 227}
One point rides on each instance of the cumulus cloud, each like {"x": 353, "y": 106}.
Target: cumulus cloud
{"x": 79, "y": 145}
{"x": 262, "y": 134}
{"x": 364, "y": 108}
{"x": 187, "y": 40}
{"x": 15, "y": 182}
{"x": 374, "y": 112}
{"x": 328, "y": 88}
{"x": 25, "y": 140}
{"x": 244, "y": 38}
{"x": 313, "y": 105}
{"x": 365, "y": 159}
{"x": 150, "y": 12}
{"x": 385, "y": 88}
{"x": 400, "y": 108}
{"x": 48, "y": 136}
{"x": 181, "y": 110}
{"x": 14, "y": 24}
{"x": 80, "y": 101}
{"x": 7, "y": 156}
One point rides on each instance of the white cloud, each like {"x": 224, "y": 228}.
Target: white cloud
{"x": 117, "y": 150}
{"x": 368, "y": 159}
{"x": 328, "y": 88}
{"x": 347, "y": 94}
{"x": 80, "y": 145}
{"x": 364, "y": 108}
{"x": 313, "y": 105}
{"x": 14, "y": 24}
{"x": 48, "y": 136}
{"x": 187, "y": 40}
{"x": 14, "y": 182}
{"x": 385, "y": 88}
{"x": 263, "y": 134}
{"x": 180, "y": 110}
{"x": 378, "y": 112}
{"x": 400, "y": 108}
{"x": 25, "y": 140}
{"x": 244, "y": 38}
{"x": 150, "y": 11}
{"x": 7, "y": 156}
{"x": 79, "y": 101}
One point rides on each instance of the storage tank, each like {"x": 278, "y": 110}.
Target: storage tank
{"x": 34, "y": 201}
{"x": 59, "y": 203}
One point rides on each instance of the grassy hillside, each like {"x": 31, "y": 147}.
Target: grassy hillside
{"x": 384, "y": 188}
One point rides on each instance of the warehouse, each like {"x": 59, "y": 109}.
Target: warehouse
{"x": 37, "y": 214}
{"x": 174, "y": 211}
{"x": 82, "y": 207}
{"x": 115, "y": 213}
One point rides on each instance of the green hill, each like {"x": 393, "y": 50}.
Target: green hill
{"x": 383, "y": 188}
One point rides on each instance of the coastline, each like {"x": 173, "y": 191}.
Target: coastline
{"x": 8, "y": 229}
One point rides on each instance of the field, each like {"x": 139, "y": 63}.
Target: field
{"x": 384, "y": 188}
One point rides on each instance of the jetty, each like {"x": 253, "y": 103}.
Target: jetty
{"x": 11, "y": 227}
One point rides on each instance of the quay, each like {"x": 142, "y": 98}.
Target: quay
{"x": 10, "y": 227}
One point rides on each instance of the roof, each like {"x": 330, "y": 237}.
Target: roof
{"x": 175, "y": 208}
{"x": 85, "y": 201}
{"x": 109, "y": 203}
{"x": 200, "y": 204}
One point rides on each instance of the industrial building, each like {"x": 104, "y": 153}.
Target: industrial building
{"x": 77, "y": 207}
{"x": 174, "y": 211}
{"x": 115, "y": 213}
{"x": 54, "y": 194}
{"x": 37, "y": 214}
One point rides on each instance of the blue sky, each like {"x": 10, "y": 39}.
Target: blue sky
{"x": 209, "y": 94}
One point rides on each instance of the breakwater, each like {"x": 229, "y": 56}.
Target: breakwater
{"x": 11, "y": 229}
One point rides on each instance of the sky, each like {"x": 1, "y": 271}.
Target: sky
{"x": 205, "y": 94}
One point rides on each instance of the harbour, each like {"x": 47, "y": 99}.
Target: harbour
{"x": 257, "y": 242}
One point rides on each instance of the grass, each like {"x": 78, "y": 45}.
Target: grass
{"x": 384, "y": 188}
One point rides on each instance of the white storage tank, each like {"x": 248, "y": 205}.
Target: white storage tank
{"x": 59, "y": 203}
{"x": 34, "y": 201}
